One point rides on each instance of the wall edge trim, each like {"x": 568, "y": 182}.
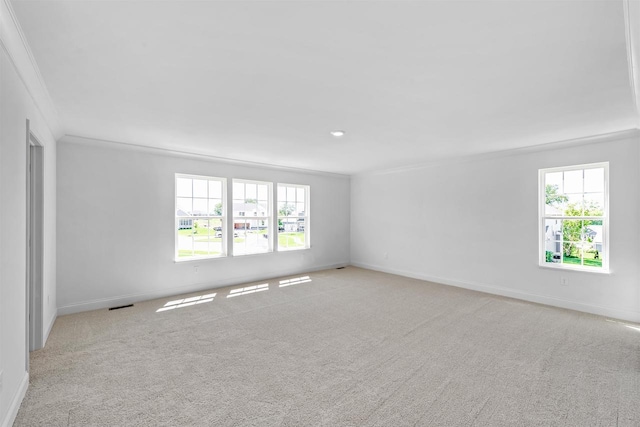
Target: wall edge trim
{"x": 84, "y": 140}
{"x": 549, "y": 146}
{"x": 14, "y": 407}
{"x": 103, "y": 303}
{"x": 21, "y": 57}
{"x": 626, "y": 315}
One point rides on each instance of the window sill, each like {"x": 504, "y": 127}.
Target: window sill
{"x": 575, "y": 269}
{"x": 205, "y": 258}
{"x": 202, "y": 258}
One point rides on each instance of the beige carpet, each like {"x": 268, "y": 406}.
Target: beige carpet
{"x": 346, "y": 347}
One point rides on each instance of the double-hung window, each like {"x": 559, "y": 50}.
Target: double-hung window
{"x": 293, "y": 217}
{"x": 200, "y": 217}
{"x": 251, "y": 217}
{"x": 574, "y": 217}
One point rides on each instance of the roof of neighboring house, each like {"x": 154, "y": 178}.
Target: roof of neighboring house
{"x": 248, "y": 207}
{"x": 595, "y": 232}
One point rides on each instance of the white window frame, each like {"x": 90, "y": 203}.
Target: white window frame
{"x": 242, "y": 216}
{"x": 306, "y": 217}
{"x": 222, "y": 218}
{"x": 543, "y": 217}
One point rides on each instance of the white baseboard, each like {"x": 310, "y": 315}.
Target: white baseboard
{"x": 16, "y": 402}
{"x": 115, "y": 301}
{"x": 627, "y": 315}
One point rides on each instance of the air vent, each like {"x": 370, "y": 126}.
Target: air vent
{"x": 119, "y": 307}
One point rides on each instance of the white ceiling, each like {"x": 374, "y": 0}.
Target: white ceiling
{"x": 410, "y": 82}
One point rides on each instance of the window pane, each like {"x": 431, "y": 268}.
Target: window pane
{"x": 215, "y": 207}
{"x": 251, "y": 192}
{"x": 554, "y": 179}
{"x": 184, "y": 206}
{"x": 200, "y": 237}
{"x": 291, "y": 234}
{"x": 238, "y": 208}
{"x": 185, "y": 238}
{"x": 199, "y": 207}
{"x": 215, "y": 189}
{"x": 291, "y": 194}
{"x": 571, "y": 254}
{"x": 554, "y": 209}
{"x": 263, "y": 192}
{"x": 282, "y": 192}
{"x": 555, "y": 200}
{"x": 215, "y": 237}
{"x": 250, "y": 236}
{"x": 573, "y": 205}
{"x": 572, "y": 230}
{"x": 300, "y": 209}
{"x": 553, "y": 240}
{"x": 183, "y": 187}
{"x": 300, "y": 195}
{"x": 238, "y": 191}
{"x": 573, "y": 181}
{"x": 286, "y": 209}
{"x": 593, "y": 255}
{"x": 594, "y": 204}
{"x": 594, "y": 180}
{"x": 200, "y": 188}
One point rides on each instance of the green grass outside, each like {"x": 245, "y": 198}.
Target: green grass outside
{"x": 285, "y": 239}
{"x": 189, "y": 253}
{"x": 589, "y": 260}
{"x": 291, "y": 240}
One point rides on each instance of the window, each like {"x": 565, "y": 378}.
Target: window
{"x": 574, "y": 210}
{"x": 293, "y": 217}
{"x": 200, "y": 213}
{"x": 251, "y": 217}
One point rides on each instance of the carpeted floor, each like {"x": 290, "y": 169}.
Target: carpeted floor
{"x": 347, "y": 347}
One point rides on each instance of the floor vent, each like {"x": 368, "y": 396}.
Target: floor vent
{"x": 119, "y": 307}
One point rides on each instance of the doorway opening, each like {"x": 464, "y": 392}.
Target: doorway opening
{"x": 35, "y": 243}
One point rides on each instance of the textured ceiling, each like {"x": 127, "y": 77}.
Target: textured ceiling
{"x": 409, "y": 82}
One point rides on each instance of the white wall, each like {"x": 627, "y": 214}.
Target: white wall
{"x": 116, "y": 226}
{"x": 17, "y": 104}
{"x": 474, "y": 224}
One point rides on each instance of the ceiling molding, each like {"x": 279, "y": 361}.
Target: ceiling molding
{"x": 83, "y": 140}
{"x": 14, "y": 43}
{"x": 557, "y": 145}
{"x": 632, "y": 34}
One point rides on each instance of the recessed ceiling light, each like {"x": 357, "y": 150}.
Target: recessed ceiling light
{"x": 338, "y": 133}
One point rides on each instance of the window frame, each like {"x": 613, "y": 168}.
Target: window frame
{"x": 306, "y": 217}
{"x": 268, "y": 219}
{"x": 224, "y": 245}
{"x": 542, "y": 217}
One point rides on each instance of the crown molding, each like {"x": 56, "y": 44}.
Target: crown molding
{"x": 83, "y": 140}
{"x": 14, "y": 43}
{"x": 632, "y": 35}
{"x": 556, "y": 145}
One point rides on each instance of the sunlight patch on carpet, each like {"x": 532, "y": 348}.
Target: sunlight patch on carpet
{"x": 295, "y": 281}
{"x": 187, "y": 302}
{"x": 248, "y": 290}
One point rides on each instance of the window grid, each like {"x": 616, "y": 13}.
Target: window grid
{"x": 574, "y": 217}
{"x": 200, "y": 217}
{"x": 293, "y": 217}
{"x": 251, "y": 217}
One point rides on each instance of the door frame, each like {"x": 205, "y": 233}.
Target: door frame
{"x": 34, "y": 243}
